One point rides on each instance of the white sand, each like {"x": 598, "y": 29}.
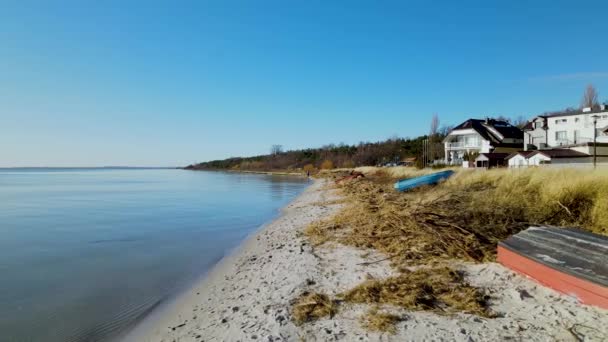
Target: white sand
{"x": 247, "y": 296}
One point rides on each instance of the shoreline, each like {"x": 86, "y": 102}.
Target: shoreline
{"x": 248, "y": 295}
{"x": 205, "y": 309}
{"x": 276, "y": 173}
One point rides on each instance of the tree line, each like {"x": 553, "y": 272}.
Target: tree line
{"x": 330, "y": 156}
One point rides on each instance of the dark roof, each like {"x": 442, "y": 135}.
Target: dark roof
{"x": 574, "y": 112}
{"x": 559, "y": 153}
{"x": 530, "y": 124}
{"x": 507, "y": 130}
{"x": 494, "y": 155}
{"x": 510, "y": 145}
{"x": 481, "y": 126}
{"x": 525, "y": 154}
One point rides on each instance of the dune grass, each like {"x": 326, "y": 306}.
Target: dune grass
{"x": 312, "y": 306}
{"x": 465, "y": 217}
{"x": 461, "y": 219}
{"x": 394, "y": 172}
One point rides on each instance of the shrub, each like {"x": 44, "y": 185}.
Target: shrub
{"x": 349, "y": 164}
{"x": 309, "y": 168}
{"x": 327, "y": 165}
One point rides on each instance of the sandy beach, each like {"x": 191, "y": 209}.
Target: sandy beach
{"x": 248, "y": 295}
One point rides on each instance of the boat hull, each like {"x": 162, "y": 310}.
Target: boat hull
{"x": 567, "y": 260}
{"x": 432, "y": 179}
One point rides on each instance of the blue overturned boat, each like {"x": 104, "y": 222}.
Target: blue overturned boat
{"x": 432, "y": 179}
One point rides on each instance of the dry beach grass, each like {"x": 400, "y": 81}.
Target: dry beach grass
{"x": 437, "y": 288}
{"x": 312, "y": 306}
{"x": 375, "y": 320}
{"x": 462, "y": 219}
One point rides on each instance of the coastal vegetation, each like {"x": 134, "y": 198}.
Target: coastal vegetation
{"x": 426, "y": 233}
{"x": 326, "y": 157}
{"x": 376, "y": 320}
{"x": 312, "y": 306}
{"x": 441, "y": 289}
{"x": 389, "y": 151}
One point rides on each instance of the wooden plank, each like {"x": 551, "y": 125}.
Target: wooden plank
{"x": 584, "y": 291}
{"x": 568, "y": 260}
{"x": 573, "y": 251}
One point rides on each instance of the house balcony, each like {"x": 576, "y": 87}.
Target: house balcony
{"x": 456, "y": 161}
{"x": 462, "y": 145}
{"x": 566, "y": 142}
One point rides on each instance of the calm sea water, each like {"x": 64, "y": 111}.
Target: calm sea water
{"x": 86, "y": 253}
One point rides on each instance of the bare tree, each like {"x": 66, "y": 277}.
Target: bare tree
{"x": 520, "y": 122}
{"x": 502, "y": 118}
{"x": 434, "y": 125}
{"x": 590, "y": 97}
{"x": 433, "y": 135}
{"x": 276, "y": 149}
{"x": 445, "y": 130}
{"x": 568, "y": 110}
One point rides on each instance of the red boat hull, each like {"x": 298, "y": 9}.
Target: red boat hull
{"x": 585, "y": 291}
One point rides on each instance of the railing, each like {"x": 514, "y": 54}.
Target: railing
{"x": 565, "y": 142}
{"x": 456, "y": 161}
{"x": 462, "y": 144}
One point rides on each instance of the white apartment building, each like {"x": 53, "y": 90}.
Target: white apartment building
{"x": 567, "y": 129}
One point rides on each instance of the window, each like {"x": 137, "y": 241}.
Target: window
{"x": 576, "y": 119}
{"x": 560, "y": 135}
{"x": 604, "y": 116}
{"x": 538, "y": 124}
{"x": 558, "y": 121}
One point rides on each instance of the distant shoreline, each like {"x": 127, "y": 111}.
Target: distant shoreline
{"x": 90, "y": 168}
{"x": 280, "y": 173}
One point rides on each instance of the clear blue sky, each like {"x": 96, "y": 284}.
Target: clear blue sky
{"x": 175, "y": 82}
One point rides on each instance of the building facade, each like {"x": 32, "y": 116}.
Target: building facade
{"x": 475, "y": 136}
{"x": 567, "y": 129}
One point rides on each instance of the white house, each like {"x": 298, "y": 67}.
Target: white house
{"x": 576, "y": 156}
{"x": 490, "y": 160}
{"x": 565, "y": 139}
{"x": 518, "y": 159}
{"x": 566, "y": 129}
{"x": 481, "y": 136}
{"x": 557, "y": 156}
